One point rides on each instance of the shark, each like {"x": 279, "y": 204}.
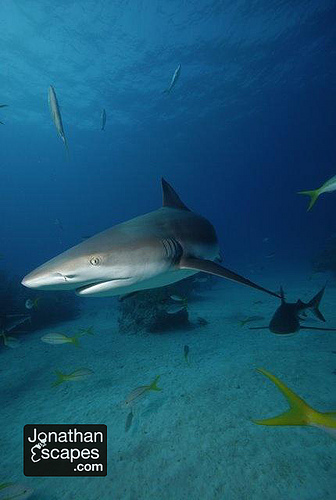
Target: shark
{"x": 149, "y": 251}
{"x": 287, "y": 318}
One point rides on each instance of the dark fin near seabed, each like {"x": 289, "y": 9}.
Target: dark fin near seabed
{"x": 282, "y": 295}
{"x": 3, "y": 105}
{"x": 314, "y": 303}
{"x": 170, "y": 198}
{"x": 207, "y": 266}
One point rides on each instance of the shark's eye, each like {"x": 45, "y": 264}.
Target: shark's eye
{"x": 95, "y": 261}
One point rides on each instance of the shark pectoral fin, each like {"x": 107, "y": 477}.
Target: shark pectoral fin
{"x": 299, "y": 413}
{"x": 207, "y": 266}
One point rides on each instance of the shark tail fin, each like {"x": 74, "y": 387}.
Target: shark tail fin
{"x": 153, "y": 386}
{"x": 299, "y": 413}
{"x": 314, "y": 304}
{"x": 314, "y": 194}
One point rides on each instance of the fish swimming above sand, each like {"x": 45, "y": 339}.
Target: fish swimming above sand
{"x": 328, "y": 187}
{"x": 103, "y": 120}
{"x": 76, "y": 376}
{"x": 15, "y": 491}
{"x": 141, "y": 391}
{"x": 174, "y": 79}
{"x": 56, "y": 115}
{"x": 186, "y": 351}
{"x": 129, "y": 420}
{"x": 149, "y": 251}
{"x": 300, "y": 413}
{"x": 175, "y": 308}
{"x": 287, "y": 318}
{"x": 3, "y": 106}
{"x": 60, "y": 338}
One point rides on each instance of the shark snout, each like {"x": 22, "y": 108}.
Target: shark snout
{"x": 47, "y": 280}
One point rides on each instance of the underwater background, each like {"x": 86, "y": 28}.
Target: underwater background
{"x": 250, "y": 123}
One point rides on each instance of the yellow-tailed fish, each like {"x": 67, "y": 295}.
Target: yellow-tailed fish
{"x": 60, "y": 338}
{"x": 76, "y": 376}
{"x": 56, "y": 115}
{"x": 14, "y": 491}
{"x": 299, "y": 413}
{"x": 328, "y": 187}
{"x": 32, "y": 303}
{"x": 142, "y": 390}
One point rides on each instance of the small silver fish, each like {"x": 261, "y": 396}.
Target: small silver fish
{"x": 173, "y": 80}
{"x": 175, "y": 308}
{"x": 129, "y": 420}
{"x": 103, "y": 120}
{"x": 177, "y": 298}
{"x": 56, "y": 115}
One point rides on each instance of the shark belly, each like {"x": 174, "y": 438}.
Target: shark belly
{"x": 157, "y": 281}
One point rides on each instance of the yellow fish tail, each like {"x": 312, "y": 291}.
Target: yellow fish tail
{"x": 300, "y": 413}
{"x": 60, "y": 379}
{"x": 75, "y": 339}
{"x": 314, "y": 194}
{"x": 153, "y": 386}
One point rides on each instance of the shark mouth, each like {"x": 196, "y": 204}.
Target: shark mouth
{"x": 100, "y": 287}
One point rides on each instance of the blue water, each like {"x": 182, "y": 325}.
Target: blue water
{"x": 250, "y": 122}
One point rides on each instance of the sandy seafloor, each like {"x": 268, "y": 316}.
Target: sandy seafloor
{"x": 194, "y": 439}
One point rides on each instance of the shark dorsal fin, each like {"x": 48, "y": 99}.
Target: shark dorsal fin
{"x": 170, "y": 198}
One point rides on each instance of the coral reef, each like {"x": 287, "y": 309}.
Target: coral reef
{"x": 162, "y": 309}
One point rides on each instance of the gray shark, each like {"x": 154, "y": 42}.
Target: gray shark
{"x": 149, "y": 251}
